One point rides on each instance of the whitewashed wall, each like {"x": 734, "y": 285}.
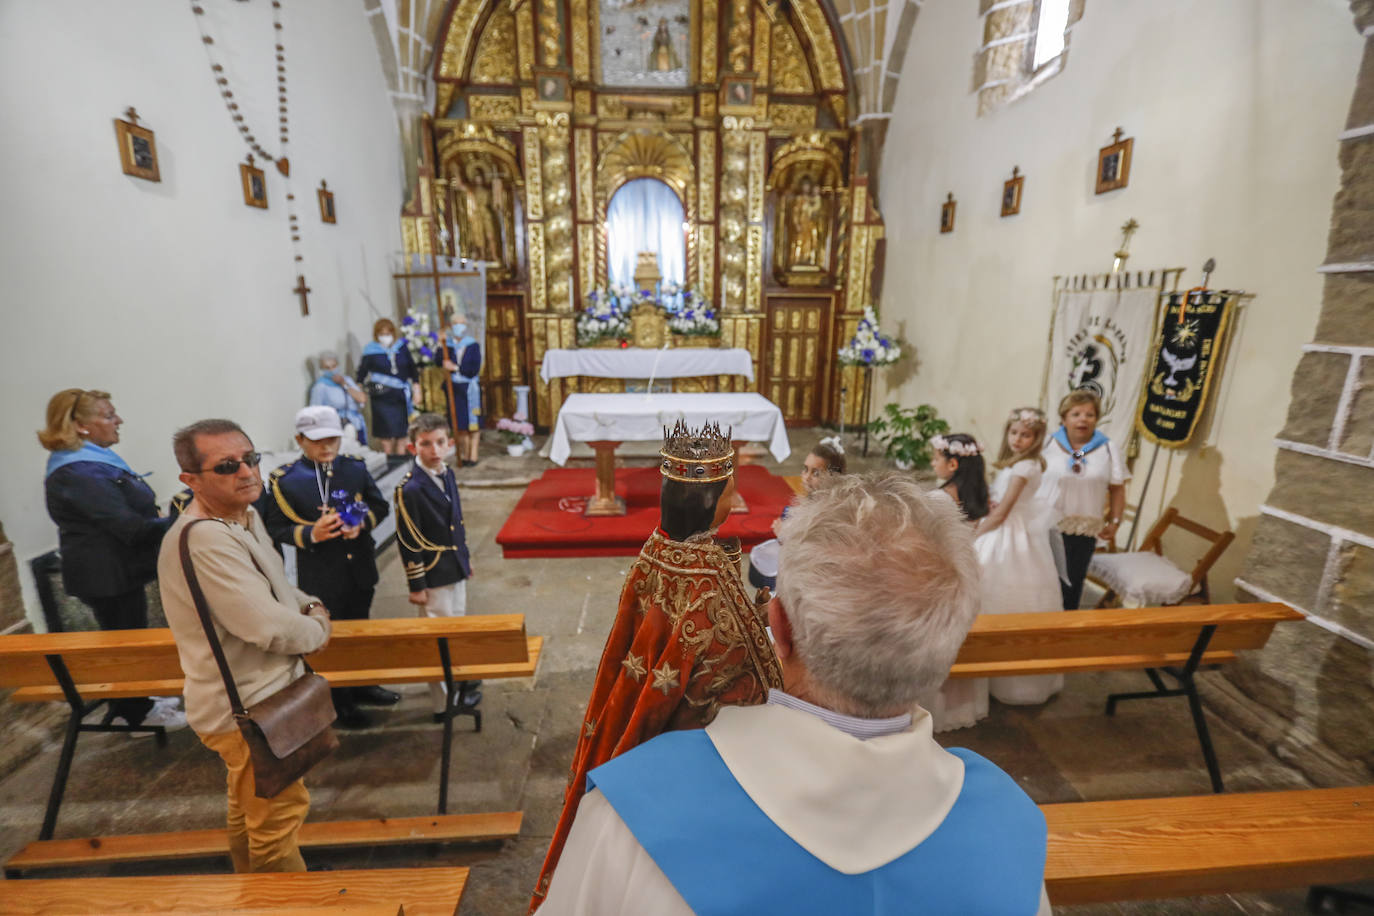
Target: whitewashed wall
{"x": 1234, "y": 105}
{"x": 175, "y": 297}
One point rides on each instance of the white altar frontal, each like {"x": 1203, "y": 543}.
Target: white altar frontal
{"x": 603, "y": 421}
{"x": 642, "y": 363}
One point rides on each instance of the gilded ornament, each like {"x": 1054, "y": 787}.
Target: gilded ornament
{"x": 493, "y": 107}
{"x": 823, "y": 50}
{"x": 790, "y": 70}
{"x": 582, "y": 156}
{"x": 443, "y": 98}
{"x": 582, "y": 102}
{"x": 739, "y": 36}
{"x": 706, "y": 174}
{"x": 581, "y": 41}
{"x": 534, "y": 185}
{"x": 550, "y": 34}
{"x": 586, "y": 254}
{"x": 706, "y": 269}
{"x": 453, "y": 61}
{"x": 754, "y": 269}
{"x": 763, "y": 34}
{"x": 756, "y": 154}
{"x": 792, "y": 117}
{"x": 665, "y": 678}
{"x": 708, "y": 25}
{"x": 524, "y": 33}
{"x": 494, "y": 61}
{"x": 529, "y": 99}
{"x": 708, "y": 104}
{"x": 634, "y": 667}
{"x": 537, "y": 279}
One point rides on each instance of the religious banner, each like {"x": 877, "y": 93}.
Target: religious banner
{"x": 1182, "y": 365}
{"x": 1100, "y": 342}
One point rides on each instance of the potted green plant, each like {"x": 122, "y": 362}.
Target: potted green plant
{"x": 906, "y": 432}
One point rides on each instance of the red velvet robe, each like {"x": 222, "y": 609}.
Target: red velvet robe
{"x": 686, "y": 640}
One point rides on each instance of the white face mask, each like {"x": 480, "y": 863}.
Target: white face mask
{"x": 458, "y": 329}
{"x": 386, "y": 340}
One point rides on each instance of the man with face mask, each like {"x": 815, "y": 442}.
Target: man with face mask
{"x": 335, "y": 560}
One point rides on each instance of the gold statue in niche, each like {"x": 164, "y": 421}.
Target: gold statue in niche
{"x": 662, "y": 57}
{"x": 485, "y": 217}
{"x": 805, "y": 224}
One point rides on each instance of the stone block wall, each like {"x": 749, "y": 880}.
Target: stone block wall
{"x": 11, "y": 595}
{"x": 1310, "y": 694}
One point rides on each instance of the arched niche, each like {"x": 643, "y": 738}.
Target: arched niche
{"x": 646, "y": 214}
{"x": 646, "y": 153}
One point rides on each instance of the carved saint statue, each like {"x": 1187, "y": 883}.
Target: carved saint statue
{"x": 808, "y": 229}
{"x": 662, "y": 56}
{"x": 482, "y": 207}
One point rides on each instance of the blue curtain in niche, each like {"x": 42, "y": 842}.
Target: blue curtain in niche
{"x": 645, "y": 215}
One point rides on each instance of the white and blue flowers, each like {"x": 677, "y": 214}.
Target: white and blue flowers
{"x": 603, "y": 316}
{"x": 870, "y": 346}
{"x": 422, "y": 341}
{"x": 606, "y": 312}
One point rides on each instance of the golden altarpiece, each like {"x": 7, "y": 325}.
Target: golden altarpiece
{"x": 545, "y": 108}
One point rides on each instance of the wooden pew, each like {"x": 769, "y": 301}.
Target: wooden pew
{"x": 1175, "y": 640}
{"x": 416, "y": 891}
{"x": 1210, "y": 844}
{"x": 313, "y": 835}
{"x": 85, "y": 669}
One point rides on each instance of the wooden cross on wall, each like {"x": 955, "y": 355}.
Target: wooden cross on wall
{"x": 301, "y": 290}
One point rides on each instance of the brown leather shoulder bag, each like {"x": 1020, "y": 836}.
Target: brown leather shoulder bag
{"x": 288, "y": 732}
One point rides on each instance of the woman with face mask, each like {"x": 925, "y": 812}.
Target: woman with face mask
{"x": 388, "y": 375}
{"x": 463, "y": 359}
{"x": 334, "y": 389}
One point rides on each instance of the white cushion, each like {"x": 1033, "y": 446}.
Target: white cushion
{"x": 1142, "y": 578}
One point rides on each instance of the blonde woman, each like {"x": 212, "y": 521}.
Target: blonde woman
{"x": 108, "y": 527}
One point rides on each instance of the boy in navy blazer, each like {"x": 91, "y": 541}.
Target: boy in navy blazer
{"x": 433, "y": 544}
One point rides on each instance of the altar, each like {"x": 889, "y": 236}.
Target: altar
{"x": 644, "y": 363}
{"x": 603, "y": 421}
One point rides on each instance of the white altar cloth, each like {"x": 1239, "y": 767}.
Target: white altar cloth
{"x": 637, "y": 362}
{"x": 641, "y": 418}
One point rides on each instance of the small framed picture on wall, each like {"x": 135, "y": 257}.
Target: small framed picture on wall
{"x": 326, "y": 197}
{"x": 947, "y": 213}
{"x": 254, "y": 184}
{"x": 137, "y": 148}
{"x": 1011, "y": 192}
{"x": 1114, "y": 163}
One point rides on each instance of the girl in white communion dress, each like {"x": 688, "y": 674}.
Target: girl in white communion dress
{"x": 1013, "y": 546}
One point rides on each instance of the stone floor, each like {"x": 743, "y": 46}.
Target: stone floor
{"x": 1066, "y": 750}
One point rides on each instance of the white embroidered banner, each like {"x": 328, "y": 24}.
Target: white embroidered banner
{"x": 1102, "y": 342}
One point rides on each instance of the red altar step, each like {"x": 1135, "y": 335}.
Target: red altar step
{"x": 548, "y": 521}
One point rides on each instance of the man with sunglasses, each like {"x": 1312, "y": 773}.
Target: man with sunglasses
{"x": 334, "y": 560}
{"x": 262, "y": 622}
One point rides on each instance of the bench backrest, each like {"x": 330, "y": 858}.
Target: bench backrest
{"x": 112, "y": 656}
{"x": 1119, "y": 631}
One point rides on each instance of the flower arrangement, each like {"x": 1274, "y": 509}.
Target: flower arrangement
{"x": 870, "y": 346}
{"x": 514, "y": 432}
{"x": 694, "y": 318}
{"x": 605, "y": 315}
{"x": 421, "y": 340}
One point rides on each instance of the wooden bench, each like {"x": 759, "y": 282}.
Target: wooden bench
{"x": 1210, "y": 844}
{"x": 414, "y": 891}
{"x": 314, "y": 835}
{"x": 86, "y": 669}
{"x": 1175, "y": 640}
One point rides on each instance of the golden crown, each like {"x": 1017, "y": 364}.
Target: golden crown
{"x": 697, "y": 456}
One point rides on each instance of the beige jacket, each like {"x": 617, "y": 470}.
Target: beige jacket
{"x": 258, "y": 620}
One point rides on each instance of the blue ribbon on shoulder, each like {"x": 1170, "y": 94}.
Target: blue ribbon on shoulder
{"x": 474, "y": 387}
{"x": 1076, "y": 455}
{"x": 89, "y": 451}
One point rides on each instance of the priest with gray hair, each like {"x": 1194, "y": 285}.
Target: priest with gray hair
{"x": 833, "y": 797}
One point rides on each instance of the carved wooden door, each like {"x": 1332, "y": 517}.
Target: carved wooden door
{"x": 795, "y": 366}
{"x": 503, "y": 365}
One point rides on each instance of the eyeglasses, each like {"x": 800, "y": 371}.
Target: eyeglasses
{"x": 231, "y": 465}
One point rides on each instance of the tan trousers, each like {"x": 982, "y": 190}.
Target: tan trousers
{"x": 262, "y": 831}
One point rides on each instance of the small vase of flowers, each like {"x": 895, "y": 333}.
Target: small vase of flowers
{"x": 516, "y": 435}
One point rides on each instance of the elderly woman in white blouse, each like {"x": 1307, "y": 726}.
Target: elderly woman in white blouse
{"x": 1084, "y": 471}
{"x": 333, "y": 388}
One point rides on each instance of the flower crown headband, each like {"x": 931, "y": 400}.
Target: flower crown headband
{"x": 1027, "y": 415}
{"x": 957, "y": 449}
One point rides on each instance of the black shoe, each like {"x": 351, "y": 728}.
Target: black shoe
{"x": 469, "y": 464}
{"x": 352, "y": 717}
{"x": 375, "y": 696}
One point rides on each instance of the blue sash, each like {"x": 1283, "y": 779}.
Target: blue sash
{"x": 349, "y": 412}
{"x": 1076, "y": 456}
{"x": 391, "y": 381}
{"x": 725, "y": 856}
{"x": 89, "y": 451}
{"x": 474, "y": 387}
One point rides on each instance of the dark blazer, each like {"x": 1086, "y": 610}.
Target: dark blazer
{"x": 293, "y": 507}
{"x": 377, "y": 362}
{"x": 109, "y": 531}
{"x": 429, "y": 531}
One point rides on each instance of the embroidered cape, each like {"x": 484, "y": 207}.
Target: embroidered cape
{"x": 686, "y": 640}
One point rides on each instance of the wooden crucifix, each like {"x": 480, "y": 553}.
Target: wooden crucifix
{"x": 301, "y": 290}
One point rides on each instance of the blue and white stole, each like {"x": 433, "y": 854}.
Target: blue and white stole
{"x": 373, "y": 348}
{"x": 474, "y": 388}
{"x": 88, "y": 451}
{"x": 349, "y": 413}
{"x": 1076, "y": 455}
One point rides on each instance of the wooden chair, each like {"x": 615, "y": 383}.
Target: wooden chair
{"x": 1146, "y": 577}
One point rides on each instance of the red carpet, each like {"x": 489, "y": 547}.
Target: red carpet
{"x": 548, "y": 522}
